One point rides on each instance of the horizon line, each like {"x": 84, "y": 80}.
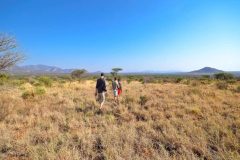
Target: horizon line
{"x": 141, "y": 71}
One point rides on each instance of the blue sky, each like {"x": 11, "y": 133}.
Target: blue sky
{"x": 137, "y": 35}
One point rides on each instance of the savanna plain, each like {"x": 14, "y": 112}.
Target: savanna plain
{"x": 164, "y": 118}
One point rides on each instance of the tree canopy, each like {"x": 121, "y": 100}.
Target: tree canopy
{"x": 78, "y": 73}
{"x": 115, "y": 71}
{"x": 9, "y": 56}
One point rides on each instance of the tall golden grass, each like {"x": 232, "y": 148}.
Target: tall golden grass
{"x": 153, "y": 121}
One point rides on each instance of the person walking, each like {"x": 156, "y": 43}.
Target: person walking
{"x": 101, "y": 90}
{"x": 119, "y": 87}
{"x": 115, "y": 87}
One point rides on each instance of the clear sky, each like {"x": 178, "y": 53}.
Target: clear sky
{"x": 137, "y": 35}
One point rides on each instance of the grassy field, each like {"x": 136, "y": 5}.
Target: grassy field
{"x": 42, "y": 118}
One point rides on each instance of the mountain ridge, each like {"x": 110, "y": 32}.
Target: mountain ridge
{"x": 38, "y": 69}
{"x": 46, "y": 69}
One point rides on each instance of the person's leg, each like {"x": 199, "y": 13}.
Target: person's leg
{"x": 116, "y": 96}
{"x": 102, "y": 100}
{"x": 98, "y": 97}
{"x": 117, "y": 100}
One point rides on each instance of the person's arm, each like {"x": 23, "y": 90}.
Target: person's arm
{"x": 97, "y": 85}
{"x": 104, "y": 86}
{"x": 118, "y": 85}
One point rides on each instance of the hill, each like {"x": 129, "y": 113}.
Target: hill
{"x": 206, "y": 70}
{"x": 38, "y": 69}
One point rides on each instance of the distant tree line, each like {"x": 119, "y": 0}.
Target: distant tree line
{"x": 223, "y": 76}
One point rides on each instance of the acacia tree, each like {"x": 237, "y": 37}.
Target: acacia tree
{"x": 78, "y": 73}
{"x": 115, "y": 71}
{"x": 9, "y": 56}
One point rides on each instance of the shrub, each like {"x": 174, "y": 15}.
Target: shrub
{"x": 143, "y": 100}
{"x": 140, "y": 80}
{"x": 193, "y": 110}
{"x": 194, "y": 91}
{"x": 129, "y": 81}
{"x": 222, "y": 85}
{"x": 4, "y": 111}
{"x": 186, "y": 81}
{"x": 62, "y": 81}
{"x": 206, "y": 76}
{"x": 3, "y": 78}
{"x": 231, "y": 81}
{"x": 66, "y": 77}
{"x": 223, "y": 76}
{"x": 109, "y": 80}
{"x": 31, "y": 80}
{"x": 47, "y": 81}
{"x": 166, "y": 80}
{"x": 178, "y": 80}
{"x": 148, "y": 80}
{"x": 238, "y": 89}
{"x": 17, "y": 82}
{"x": 194, "y": 84}
{"x": 40, "y": 91}
{"x": 37, "y": 84}
{"x": 79, "y": 108}
{"x": 78, "y": 73}
{"x": 27, "y": 95}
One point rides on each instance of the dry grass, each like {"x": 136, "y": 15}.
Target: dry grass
{"x": 153, "y": 121}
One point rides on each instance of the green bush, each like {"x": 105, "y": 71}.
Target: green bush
{"x": 186, "y": 81}
{"x": 232, "y": 81}
{"x": 3, "y": 78}
{"x": 206, "y": 76}
{"x": 195, "y": 83}
{"x": 17, "y": 82}
{"x": 238, "y": 89}
{"x": 140, "y": 80}
{"x": 37, "y": 84}
{"x": 32, "y": 80}
{"x": 27, "y": 95}
{"x": 62, "y": 81}
{"x": 66, "y": 77}
{"x": 40, "y": 91}
{"x": 129, "y": 81}
{"x": 47, "y": 81}
{"x": 222, "y": 85}
{"x": 223, "y": 76}
{"x": 143, "y": 100}
{"x": 4, "y": 111}
{"x": 76, "y": 74}
{"x": 178, "y": 80}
